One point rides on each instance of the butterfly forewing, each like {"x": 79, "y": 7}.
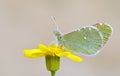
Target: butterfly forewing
{"x": 87, "y": 40}
{"x": 105, "y": 29}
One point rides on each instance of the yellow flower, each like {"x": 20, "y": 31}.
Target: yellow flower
{"x": 51, "y": 50}
{"x": 52, "y": 55}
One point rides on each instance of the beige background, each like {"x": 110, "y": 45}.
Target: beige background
{"x": 26, "y": 23}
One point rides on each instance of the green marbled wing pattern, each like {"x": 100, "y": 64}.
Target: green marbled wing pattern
{"x": 87, "y": 40}
{"x": 105, "y": 29}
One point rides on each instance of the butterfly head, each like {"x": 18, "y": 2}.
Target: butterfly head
{"x": 57, "y": 35}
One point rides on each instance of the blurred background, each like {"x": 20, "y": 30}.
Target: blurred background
{"x": 26, "y": 23}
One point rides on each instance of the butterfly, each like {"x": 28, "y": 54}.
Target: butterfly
{"x": 87, "y": 40}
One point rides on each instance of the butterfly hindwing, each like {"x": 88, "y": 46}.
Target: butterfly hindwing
{"x": 87, "y": 40}
{"x": 105, "y": 29}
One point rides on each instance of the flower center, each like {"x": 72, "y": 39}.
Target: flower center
{"x": 53, "y": 50}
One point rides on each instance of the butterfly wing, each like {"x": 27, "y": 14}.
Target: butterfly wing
{"x": 105, "y": 29}
{"x": 87, "y": 40}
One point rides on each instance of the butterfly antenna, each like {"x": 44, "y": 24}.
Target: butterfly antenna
{"x": 54, "y": 21}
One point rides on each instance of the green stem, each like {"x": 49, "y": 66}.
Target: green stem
{"x": 52, "y": 73}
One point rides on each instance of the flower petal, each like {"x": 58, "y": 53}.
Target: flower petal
{"x": 42, "y": 47}
{"x": 75, "y": 58}
{"x": 63, "y": 54}
{"x": 70, "y": 56}
{"x": 34, "y": 53}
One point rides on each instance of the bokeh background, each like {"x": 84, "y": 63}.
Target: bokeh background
{"x": 26, "y": 23}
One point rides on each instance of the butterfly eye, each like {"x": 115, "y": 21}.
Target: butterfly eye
{"x": 56, "y": 32}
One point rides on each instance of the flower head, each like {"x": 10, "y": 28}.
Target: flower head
{"x": 52, "y": 50}
{"x": 52, "y": 55}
